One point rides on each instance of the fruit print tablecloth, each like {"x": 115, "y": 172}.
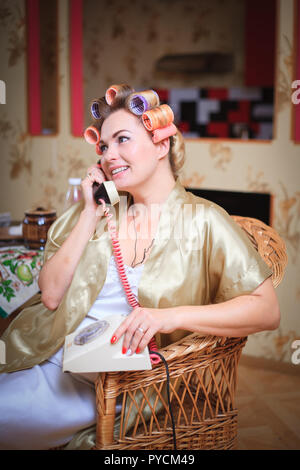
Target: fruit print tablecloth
{"x": 19, "y": 270}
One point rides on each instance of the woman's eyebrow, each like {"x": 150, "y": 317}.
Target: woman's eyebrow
{"x": 115, "y": 134}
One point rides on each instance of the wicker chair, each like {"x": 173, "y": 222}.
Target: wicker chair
{"x": 203, "y": 377}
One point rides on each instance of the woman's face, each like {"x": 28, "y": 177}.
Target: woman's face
{"x": 129, "y": 157}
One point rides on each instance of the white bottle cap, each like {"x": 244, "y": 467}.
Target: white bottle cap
{"x": 74, "y": 181}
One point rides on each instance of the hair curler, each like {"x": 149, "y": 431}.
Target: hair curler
{"x": 92, "y": 135}
{"x": 140, "y": 102}
{"x": 161, "y": 116}
{"x": 113, "y": 91}
{"x": 98, "y": 149}
{"x": 95, "y": 109}
{"x": 163, "y": 133}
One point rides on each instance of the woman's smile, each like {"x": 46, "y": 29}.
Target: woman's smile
{"x": 116, "y": 172}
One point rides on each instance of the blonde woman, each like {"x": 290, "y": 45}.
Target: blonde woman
{"x": 206, "y": 277}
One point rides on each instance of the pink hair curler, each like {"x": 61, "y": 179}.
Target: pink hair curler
{"x": 158, "y": 117}
{"x": 114, "y": 90}
{"x": 111, "y": 93}
{"x": 98, "y": 150}
{"x": 92, "y": 135}
{"x": 138, "y": 103}
{"x": 160, "y": 134}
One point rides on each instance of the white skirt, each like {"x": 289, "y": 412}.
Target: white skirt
{"x": 43, "y": 407}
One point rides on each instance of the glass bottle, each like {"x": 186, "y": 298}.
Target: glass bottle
{"x": 74, "y": 193}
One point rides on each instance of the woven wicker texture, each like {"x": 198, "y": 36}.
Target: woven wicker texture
{"x": 203, "y": 375}
{"x": 268, "y": 243}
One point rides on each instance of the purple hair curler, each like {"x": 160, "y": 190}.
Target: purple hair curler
{"x": 95, "y": 110}
{"x": 138, "y": 103}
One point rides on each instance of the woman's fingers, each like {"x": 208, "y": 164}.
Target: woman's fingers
{"x": 127, "y": 328}
{"x": 136, "y": 339}
{"x": 141, "y": 341}
{"x": 94, "y": 175}
{"x": 137, "y": 329}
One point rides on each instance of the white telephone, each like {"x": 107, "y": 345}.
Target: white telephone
{"x": 89, "y": 349}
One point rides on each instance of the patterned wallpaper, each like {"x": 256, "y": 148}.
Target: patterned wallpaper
{"x": 34, "y": 170}
{"x": 123, "y": 41}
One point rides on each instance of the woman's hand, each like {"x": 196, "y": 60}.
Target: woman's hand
{"x": 53, "y": 280}
{"x": 94, "y": 175}
{"x": 141, "y": 325}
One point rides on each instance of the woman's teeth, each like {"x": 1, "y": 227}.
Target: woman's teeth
{"x": 118, "y": 170}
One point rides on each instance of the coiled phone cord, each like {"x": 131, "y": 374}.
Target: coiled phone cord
{"x": 123, "y": 277}
{"x": 155, "y": 356}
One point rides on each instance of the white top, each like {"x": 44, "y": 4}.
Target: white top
{"x": 111, "y": 299}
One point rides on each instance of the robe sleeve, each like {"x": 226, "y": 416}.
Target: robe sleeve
{"x": 235, "y": 266}
{"x": 60, "y": 230}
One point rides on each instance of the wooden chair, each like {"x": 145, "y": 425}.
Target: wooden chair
{"x": 203, "y": 377}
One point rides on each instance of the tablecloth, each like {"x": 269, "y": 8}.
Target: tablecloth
{"x": 19, "y": 270}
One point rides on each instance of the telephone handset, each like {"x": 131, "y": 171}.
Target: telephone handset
{"x": 106, "y": 192}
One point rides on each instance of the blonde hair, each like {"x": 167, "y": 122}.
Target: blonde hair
{"x": 100, "y": 110}
{"x": 177, "y": 153}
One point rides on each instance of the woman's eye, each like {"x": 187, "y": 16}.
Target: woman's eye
{"x": 103, "y": 148}
{"x": 123, "y": 138}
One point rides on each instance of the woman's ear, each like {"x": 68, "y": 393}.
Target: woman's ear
{"x": 163, "y": 147}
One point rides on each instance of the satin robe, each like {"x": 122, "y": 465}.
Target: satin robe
{"x": 200, "y": 256}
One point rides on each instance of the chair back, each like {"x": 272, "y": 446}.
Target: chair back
{"x": 268, "y": 243}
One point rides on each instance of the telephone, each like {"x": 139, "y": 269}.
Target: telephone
{"x": 106, "y": 192}
{"x": 89, "y": 349}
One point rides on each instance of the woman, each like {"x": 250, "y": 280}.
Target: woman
{"x": 209, "y": 279}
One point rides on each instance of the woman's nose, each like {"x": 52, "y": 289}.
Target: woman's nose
{"x": 110, "y": 154}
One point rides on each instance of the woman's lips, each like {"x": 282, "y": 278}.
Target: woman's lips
{"x": 119, "y": 171}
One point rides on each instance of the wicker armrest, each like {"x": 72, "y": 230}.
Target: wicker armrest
{"x": 189, "y": 352}
{"x": 202, "y": 373}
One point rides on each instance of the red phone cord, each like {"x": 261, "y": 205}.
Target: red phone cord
{"x": 122, "y": 273}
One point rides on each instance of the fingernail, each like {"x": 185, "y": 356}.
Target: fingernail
{"x": 124, "y": 350}
{"x": 113, "y": 339}
{"x": 128, "y": 352}
{"x": 138, "y": 350}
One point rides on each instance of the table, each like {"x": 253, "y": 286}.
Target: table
{"x": 19, "y": 271}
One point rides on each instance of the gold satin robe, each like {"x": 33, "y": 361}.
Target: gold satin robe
{"x": 213, "y": 262}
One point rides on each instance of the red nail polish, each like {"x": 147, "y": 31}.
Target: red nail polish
{"x": 138, "y": 350}
{"x": 113, "y": 339}
{"x": 124, "y": 350}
